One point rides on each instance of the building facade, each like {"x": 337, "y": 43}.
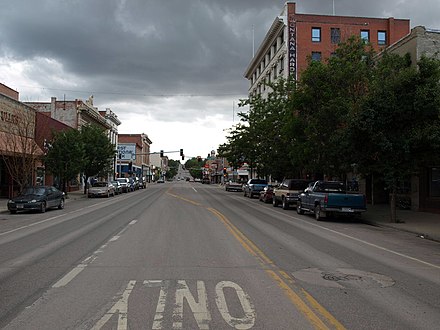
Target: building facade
{"x": 294, "y": 37}
{"x": 20, "y": 156}
{"x": 133, "y": 158}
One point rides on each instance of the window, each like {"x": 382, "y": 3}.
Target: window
{"x": 381, "y": 38}
{"x": 335, "y": 35}
{"x": 316, "y": 56}
{"x": 316, "y": 34}
{"x": 282, "y": 64}
{"x": 365, "y": 35}
{"x": 434, "y": 184}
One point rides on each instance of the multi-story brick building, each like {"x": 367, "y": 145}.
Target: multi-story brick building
{"x": 134, "y": 150}
{"x": 293, "y": 37}
{"x": 77, "y": 113}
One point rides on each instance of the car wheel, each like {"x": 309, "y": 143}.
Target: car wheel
{"x": 318, "y": 215}
{"x": 274, "y": 202}
{"x": 61, "y": 205}
{"x": 43, "y": 207}
{"x": 285, "y": 205}
{"x": 299, "y": 210}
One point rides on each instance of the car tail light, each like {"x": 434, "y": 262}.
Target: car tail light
{"x": 326, "y": 199}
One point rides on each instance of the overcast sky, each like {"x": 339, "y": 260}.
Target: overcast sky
{"x": 172, "y": 69}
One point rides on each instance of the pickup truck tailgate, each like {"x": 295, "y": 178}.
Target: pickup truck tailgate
{"x": 354, "y": 201}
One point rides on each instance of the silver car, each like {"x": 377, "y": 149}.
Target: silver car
{"x": 101, "y": 189}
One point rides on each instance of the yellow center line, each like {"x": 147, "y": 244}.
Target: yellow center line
{"x": 307, "y": 305}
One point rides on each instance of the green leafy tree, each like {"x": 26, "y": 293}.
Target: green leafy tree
{"x": 65, "y": 155}
{"x": 99, "y": 152}
{"x": 173, "y": 166}
{"x": 194, "y": 167}
{"x": 327, "y": 97}
{"x": 397, "y": 131}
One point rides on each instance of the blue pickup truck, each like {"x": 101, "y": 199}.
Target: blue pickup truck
{"x": 253, "y": 187}
{"x": 327, "y": 198}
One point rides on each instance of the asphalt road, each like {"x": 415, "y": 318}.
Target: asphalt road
{"x": 190, "y": 256}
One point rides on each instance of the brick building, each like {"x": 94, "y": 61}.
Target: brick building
{"x": 294, "y": 37}
{"x": 134, "y": 150}
{"x": 19, "y": 154}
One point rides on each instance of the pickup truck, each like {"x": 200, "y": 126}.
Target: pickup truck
{"x": 326, "y": 198}
{"x": 288, "y": 191}
{"x": 253, "y": 187}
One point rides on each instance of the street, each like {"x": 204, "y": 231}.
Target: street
{"x": 182, "y": 255}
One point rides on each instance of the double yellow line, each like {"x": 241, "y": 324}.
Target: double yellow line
{"x": 317, "y": 315}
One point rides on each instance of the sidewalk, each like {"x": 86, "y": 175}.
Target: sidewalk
{"x": 420, "y": 223}
{"x": 423, "y": 224}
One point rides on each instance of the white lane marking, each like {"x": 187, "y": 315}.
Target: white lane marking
{"x": 120, "y": 308}
{"x": 69, "y": 276}
{"x": 243, "y": 323}
{"x": 78, "y": 269}
{"x": 160, "y": 308}
{"x": 199, "y": 309}
{"x": 194, "y": 189}
{"x": 362, "y": 241}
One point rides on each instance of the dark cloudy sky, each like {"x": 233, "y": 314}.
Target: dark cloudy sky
{"x": 172, "y": 69}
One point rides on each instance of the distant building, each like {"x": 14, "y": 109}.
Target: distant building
{"x": 133, "y": 157}
{"x": 294, "y": 37}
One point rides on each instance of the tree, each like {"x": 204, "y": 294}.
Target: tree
{"x": 65, "y": 155}
{"x": 173, "y": 166}
{"x": 397, "y": 131}
{"x": 326, "y": 98}
{"x": 20, "y": 150}
{"x": 194, "y": 167}
{"x": 99, "y": 152}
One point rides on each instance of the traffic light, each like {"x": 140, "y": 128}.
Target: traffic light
{"x": 161, "y": 153}
{"x": 183, "y": 157}
{"x": 225, "y": 171}
{"x": 181, "y": 152}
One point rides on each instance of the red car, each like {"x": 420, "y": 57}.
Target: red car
{"x": 266, "y": 195}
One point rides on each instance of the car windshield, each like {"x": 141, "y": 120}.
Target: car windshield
{"x": 258, "y": 181}
{"x": 122, "y": 180}
{"x": 331, "y": 187}
{"x": 99, "y": 184}
{"x": 34, "y": 191}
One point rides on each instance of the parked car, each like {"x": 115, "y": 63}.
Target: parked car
{"x": 266, "y": 195}
{"x": 326, "y": 198}
{"x": 288, "y": 191}
{"x": 253, "y": 187}
{"x": 233, "y": 186}
{"x": 101, "y": 189}
{"x": 160, "y": 181}
{"x": 124, "y": 184}
{"x": 132, "y": 184}
{"x": 38, "y": 198}
{"x": 118, "y": 186}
